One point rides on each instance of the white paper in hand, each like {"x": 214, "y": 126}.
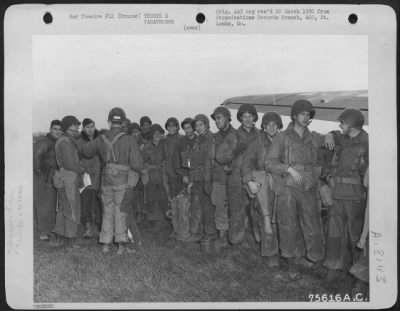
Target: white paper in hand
{"x": 86, "y": 182}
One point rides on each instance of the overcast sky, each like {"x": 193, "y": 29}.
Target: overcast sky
{"x": 182, "y": 75}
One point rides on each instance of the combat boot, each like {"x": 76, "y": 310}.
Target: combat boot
{"x": 222, "y": 240}
{"x": 106, "y": 248}
{"x": 72, "y": 243}
{"x": 89, "y": 231}
{"x": 293, "y": 273}
{"x": 194, "y": 238}
{"x": 44, "y": 237}
{"x": 55, "y": 240}
{"x": 121, "y": 248}
{"x": 304, "y": 262}
{"x": 132, "y": 248}
{"x": 272, "y": 261}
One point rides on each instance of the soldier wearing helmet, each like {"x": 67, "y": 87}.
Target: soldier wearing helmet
{"x": 224, "y": 139}
{"x": 44, "y": 167}
{"x": 138, "y": 198}
{"x": 68, "y": 181}
{"x": 170, "y": 143}
{"x": 345, "y": 216}
{"x": 134, "y": 130}
{"x": 237, "y": 196}
{"x": 195, "y": 166}
{"x": 122, "y": 164}
{"x": 156, "y": 192}
{"x": 258, "y": 183}
{"x": 293, "y": 157}
{"x": 185, "y": 144}
{"x": 145, "y": 126}
{"x": 91, "y": 208}
{"x": 126, "y": 125}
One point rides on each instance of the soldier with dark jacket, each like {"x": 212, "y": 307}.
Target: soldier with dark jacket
{"x": 346, "y": 215}
{"x": 122, "y": 165}
{"x": 293, "y": 155}
{"x": 171, "y": 142}
{"x": 261, "y": 186}
{"x": 238, "y": 199}
{"x": 195, "y": 167}
{"x": 145, "y": 126}
{"x": 126, "y": 126}
{"x": 90, "y": 204}
{"x": 138, "y": 198}
{"x": 44, "y": 167}
{"x": 68, "y": 180}
{"x": 224, "y": 140}
{"x": 154, "y": 162}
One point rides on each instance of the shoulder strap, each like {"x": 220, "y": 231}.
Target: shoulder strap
{"x": 62, "y": 138}
{"x": 287, "y": 147}
{"x": 110, "y": 145}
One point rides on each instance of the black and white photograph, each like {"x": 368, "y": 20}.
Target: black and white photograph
{"x": 183, "y": 167}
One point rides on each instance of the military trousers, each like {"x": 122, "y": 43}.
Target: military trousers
{"x": 219, "y": 198}
{"x": 238, "y": 204}
{"x": 268, "y": 240}
{"x": 45, "y": 200}
{"x": 67, "y": 223}
{"x": 114, "y": 225}
{"x": 202, "y": 220}
{"x": 157, "y": 201}
{"x": 138, "y": 199}
{"x": 175, "y": 184}
{"x": 299, "y": 224}
{"x": 360, "y": 268}
{"x": 345, "y": 224}
{"x": 91, "y": 207}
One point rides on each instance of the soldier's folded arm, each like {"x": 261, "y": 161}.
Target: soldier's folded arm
{"x": 273, "y": 163}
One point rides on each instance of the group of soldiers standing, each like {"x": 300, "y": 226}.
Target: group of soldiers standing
{"x": 266, "y": 179}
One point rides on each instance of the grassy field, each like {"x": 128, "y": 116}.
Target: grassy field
{"x": 168, "y": 272}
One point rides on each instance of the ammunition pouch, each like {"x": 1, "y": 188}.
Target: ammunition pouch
{"x": 133, "y": 178}
{"x": 57, "y": 180}
{"x": 326, "y": 195}
{"x": 347, "y": 188}
{"x": 63, "y": 177}
{"x": 116, "y": 174}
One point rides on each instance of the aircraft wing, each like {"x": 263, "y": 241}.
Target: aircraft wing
{"x": 328, "y": 105}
